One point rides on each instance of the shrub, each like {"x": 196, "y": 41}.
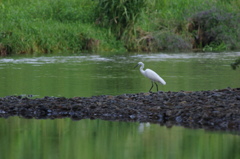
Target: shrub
{"x": 215, "y": 28}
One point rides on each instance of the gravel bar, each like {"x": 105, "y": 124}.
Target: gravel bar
{"x": 214, "y": 110}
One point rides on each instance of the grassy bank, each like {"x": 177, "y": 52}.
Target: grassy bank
{"x": 53, "y": 26}
{"x": 73, "y": 26}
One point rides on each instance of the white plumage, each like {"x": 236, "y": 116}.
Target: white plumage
{"x": 153, "y": 76}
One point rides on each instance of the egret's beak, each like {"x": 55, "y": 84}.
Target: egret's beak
{"x": 136, "y": 66}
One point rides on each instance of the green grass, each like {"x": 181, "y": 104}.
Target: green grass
{"x": 74, "y": 26}
{"x": 53, "y": 27}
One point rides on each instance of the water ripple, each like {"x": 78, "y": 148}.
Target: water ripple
{"x": 119, "y": 59}
{"x": 167, "y": 56}
{"x": 53, "y": 59}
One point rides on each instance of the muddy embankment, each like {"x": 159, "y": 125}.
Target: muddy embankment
{"x": 216, "y": 110}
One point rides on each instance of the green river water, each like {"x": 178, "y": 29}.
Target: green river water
{"x": 91, "y": 75}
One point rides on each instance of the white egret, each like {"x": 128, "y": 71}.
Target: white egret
{"x": 153, "y": 76}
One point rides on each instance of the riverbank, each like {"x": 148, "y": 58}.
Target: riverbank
{"x": 47, "y": 27}
{"x": 215, "y": 110}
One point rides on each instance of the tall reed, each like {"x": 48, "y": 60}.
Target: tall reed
{"x": 120, "y": 16}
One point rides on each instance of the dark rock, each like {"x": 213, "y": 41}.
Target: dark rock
{"x": 179, "y": 119}
{"x": 180, "y": 94}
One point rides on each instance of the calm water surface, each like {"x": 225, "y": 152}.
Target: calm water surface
{"x": 79, "y": 75}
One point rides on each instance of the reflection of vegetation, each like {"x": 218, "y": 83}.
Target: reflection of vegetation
{"x": 88, "y": 139}
{"x": 86, "y": 76}
{"x": 236, "y": 64}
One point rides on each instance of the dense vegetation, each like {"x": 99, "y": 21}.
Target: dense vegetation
{"x": 117, "y": 26}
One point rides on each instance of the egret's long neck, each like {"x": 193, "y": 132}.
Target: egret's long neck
{"x": 141, "y": 69}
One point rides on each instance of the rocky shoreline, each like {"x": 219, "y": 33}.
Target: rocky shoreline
{"x": 215, "y": 110}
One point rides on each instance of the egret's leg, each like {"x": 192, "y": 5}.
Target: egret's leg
{"x": 156, "y": 86}
{"x": 151, "y": 87}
